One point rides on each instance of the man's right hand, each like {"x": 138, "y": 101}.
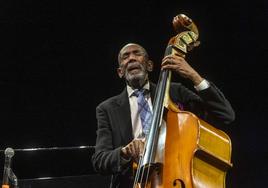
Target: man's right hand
{"x": 133, "y": 150}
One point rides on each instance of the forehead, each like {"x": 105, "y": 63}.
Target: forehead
{"x": 130, "y": 48}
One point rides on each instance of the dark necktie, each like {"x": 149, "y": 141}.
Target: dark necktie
{"x": 144, "y": 110}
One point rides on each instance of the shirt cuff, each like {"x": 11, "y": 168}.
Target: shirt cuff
{"x": 203, "y": 85}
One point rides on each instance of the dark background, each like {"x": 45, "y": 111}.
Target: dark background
{"x": 58, "y": 60}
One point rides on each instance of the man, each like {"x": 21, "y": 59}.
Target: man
{"x": 120, "y": 134}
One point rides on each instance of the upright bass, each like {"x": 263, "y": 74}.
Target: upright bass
{"x": 187, "y": 152}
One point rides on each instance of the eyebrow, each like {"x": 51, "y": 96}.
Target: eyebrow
{"x": 133, "y": 51}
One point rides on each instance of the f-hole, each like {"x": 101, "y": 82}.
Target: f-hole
{"x": 180, "y": 182}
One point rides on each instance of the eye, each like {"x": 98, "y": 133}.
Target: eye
{"x": 138, "y": 53}
{"x": 124, "y": 56}
{"x": 135, "y": 53}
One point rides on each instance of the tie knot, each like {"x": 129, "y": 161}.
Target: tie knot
{"x": 140, "y": 92}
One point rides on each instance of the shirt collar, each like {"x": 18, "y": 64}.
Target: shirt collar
{"x": 130, "y": 91}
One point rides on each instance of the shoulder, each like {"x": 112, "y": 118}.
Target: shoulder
{"x": 108, "y": 102}
{"x": 113, "y": 101}
{"x": 179, "y": 88}
{"x": 176, "y": 85}
{"x": 181, "y": 93}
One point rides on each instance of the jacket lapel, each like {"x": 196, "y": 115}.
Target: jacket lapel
{"x": 152, "y": 91}
{"x": 122, "y": 114}
{"x": 123, "y": 118}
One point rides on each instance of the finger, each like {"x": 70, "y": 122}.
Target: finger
{"x": 167, "y": 62}
{"x": 131, "y": 149}
{"x": 135, "y": 148}
{"x": 177, "y": 57}
{"x": 170, "y": 67}
{"x": 168, "y": 57}
{"x": 138, "y": 147}
{"x": 172, "y": 58}
{"x": 141, "y": 148}
{"x": 127, "y": 151}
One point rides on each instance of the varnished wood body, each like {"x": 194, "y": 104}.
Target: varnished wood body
{"x": 197, "y": 155}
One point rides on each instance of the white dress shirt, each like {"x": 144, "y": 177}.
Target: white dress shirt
{"x": 135, "y": 117}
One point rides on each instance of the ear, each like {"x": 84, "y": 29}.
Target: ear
{"x": 120, "y": 72}
{"x": 150, "y": 65}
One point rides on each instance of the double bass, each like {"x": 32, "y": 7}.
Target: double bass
{"x": 193, "y": 153}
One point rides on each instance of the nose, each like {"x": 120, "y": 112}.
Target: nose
{"x": 132, "y": 56}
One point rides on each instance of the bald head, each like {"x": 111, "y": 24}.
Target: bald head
{"x": 128, "y": 45}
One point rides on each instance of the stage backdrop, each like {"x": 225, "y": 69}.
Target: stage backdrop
{"x": 59, "y": 60}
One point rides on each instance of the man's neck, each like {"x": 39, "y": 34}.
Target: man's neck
{"x": 138, "y": 86}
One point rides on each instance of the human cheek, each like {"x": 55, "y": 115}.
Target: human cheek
{"x": 123, "y": 65}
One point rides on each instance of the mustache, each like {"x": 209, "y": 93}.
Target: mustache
{"x": 134, "y": 65}
{"x": 130, "y": 66}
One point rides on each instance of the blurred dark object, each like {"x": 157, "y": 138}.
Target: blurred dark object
{"x": 55, "y": 167}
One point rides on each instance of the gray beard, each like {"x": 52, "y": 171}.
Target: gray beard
{"x": 136, "y": 81}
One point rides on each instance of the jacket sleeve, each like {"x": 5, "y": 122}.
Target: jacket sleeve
{"x": 217, "y": 108}
{"x": 209, "y": 104}
{"x": 106, "y": 159}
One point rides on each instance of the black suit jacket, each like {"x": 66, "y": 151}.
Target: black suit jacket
{"x": 115, "y": 127}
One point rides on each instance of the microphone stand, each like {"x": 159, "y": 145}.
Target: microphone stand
{"x": 8, "y": 175}
{"x": 13, "y": 178}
